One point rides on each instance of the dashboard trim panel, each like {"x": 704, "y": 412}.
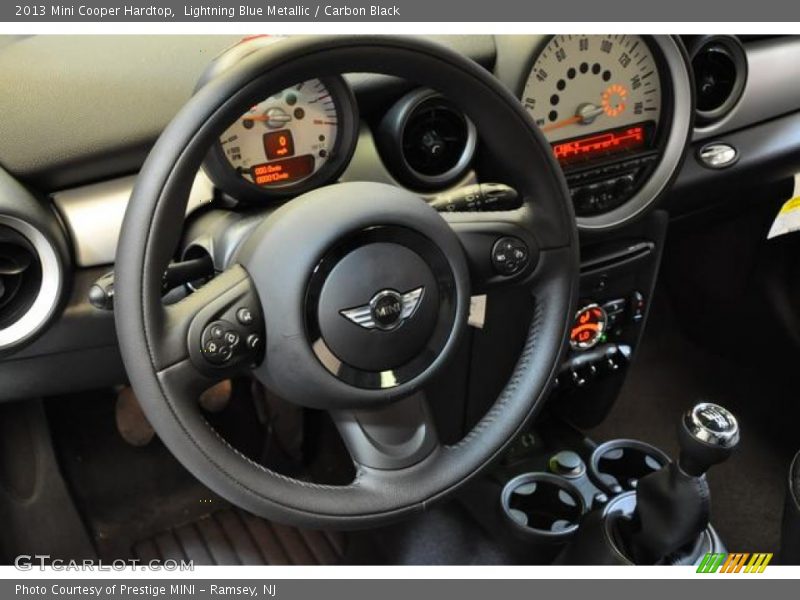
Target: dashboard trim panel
{"x": 93, "y": 215}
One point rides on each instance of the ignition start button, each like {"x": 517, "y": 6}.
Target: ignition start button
{"x": 510, "y": 255}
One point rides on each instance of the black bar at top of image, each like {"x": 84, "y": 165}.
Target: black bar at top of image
{"x": 443, "y": 11}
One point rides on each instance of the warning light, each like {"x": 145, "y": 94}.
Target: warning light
{"x": 283, "y": 171}
{"x": 601, "y": 145}
{"x": 589, "y": 327}
{"x": 278, "y": 144}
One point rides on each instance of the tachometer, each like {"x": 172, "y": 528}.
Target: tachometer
{"x": 297, "y": 139}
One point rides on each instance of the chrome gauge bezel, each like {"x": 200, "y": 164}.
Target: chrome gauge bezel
{"x": 672, "y": 136}
{"x": 225, "y": 177}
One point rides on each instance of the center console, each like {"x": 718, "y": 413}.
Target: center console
{"x": 558, "y": 496}
{"x": 617, "y": 280}
{"x": 565, "y": 499}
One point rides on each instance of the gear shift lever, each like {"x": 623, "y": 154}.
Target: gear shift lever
{"x": 672, "y": 505}
{"x": 708, "y": 435}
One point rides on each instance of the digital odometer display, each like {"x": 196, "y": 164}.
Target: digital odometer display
{"x": 604, "y": 145}
{"x": 283, "y": 171}
{"x": 594, "y": 96}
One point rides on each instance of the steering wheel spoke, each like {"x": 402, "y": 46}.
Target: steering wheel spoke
{"x": 392, "y": 437}
{"x": 217, "y": 330}
{"x": 500, "y": 247}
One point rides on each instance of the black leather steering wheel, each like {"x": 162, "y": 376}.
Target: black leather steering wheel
{"x": 342, "y": 247}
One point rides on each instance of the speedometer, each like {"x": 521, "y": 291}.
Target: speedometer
{"x": 583, "y": 85}
{"x": 288, "y": 143}
{"x": 599, "y": 101}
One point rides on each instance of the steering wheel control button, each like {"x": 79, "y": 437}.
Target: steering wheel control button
{"x": 231, "y": 338}
{"x": 254, "y": 341}
{"x": 244, "y": 316}
{"x": 221, "y": 345}
{"x": 510, "y": 255}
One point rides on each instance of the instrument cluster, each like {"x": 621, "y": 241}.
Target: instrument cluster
{"x": 605, "y": 104}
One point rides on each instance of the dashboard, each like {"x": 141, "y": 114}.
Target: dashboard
{"x": 616, "y": 131}
{"x": 635, "y": 122}
{"x": 615, "y": 108}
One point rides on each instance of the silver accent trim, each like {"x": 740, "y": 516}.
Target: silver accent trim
{"x": 93, "y": 215}
{"x": 49, "y": 292}
{"x": 718, "y": 155}
{"x": 698, "y": 428}
{"x": 363, "y": 315}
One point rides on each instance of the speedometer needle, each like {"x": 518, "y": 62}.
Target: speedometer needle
{"x": 585, "y": 114}
{"x": 563, "y": 123}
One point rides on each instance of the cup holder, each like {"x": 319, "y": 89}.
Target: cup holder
{"x": 542, "y": 506}
{"x": 618, "y": 465}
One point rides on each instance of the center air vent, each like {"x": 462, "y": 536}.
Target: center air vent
{"x": 720, "y": 72}
{"x": 20, "y": 276}
{"x": 426, "y": 141}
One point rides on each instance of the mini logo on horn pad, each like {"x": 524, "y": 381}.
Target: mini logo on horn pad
{"x": 387, "y": 310}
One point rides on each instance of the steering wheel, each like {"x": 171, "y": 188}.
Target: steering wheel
{"x": 356, "y": 294}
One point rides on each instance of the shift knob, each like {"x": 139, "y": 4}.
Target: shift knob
{"x": 707, "y": 435}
